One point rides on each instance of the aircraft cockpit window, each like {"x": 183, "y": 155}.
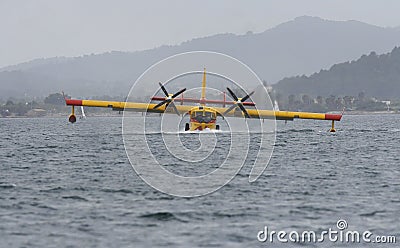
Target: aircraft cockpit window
{"x": 203, "y": 116}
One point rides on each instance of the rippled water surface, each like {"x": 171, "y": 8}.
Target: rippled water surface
{"x": 72, "y": 185}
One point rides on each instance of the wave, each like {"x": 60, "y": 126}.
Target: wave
{"x": 127, "y": 191}
{"x": 75, "y": 197}
{"x": 206, "y": 131}
{"x": 161, "y": 216}
{"x": 7, "y": 185}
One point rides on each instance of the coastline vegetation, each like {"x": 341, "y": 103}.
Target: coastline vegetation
{"x": 54, "y": 105}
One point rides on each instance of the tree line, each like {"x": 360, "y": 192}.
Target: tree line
{"x": 305, "y": 102}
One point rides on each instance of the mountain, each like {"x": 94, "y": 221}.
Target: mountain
{"x": 374, "y": 75}
{"x": 301, "y": 46}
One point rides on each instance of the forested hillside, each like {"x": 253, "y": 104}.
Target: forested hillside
{"x": 374, "y": 75}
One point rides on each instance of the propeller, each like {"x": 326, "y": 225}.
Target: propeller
{"x": 238, "y": 103}
{"x": 169, "y": 99}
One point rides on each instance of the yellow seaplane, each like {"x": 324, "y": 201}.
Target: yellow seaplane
{"x": 201, "y": 116}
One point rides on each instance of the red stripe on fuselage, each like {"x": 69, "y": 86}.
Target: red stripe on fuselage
{"x": 159, "y": 98}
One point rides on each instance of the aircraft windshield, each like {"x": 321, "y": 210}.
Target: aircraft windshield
{"x": 201, "y": 116}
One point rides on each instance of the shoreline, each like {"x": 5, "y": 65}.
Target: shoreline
{"x": 355, "y": 112}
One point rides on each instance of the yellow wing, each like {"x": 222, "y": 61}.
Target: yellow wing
{"x": 131, "y": 106}
{"x": 182, "y": 109}
{"x": 281, "y": 115}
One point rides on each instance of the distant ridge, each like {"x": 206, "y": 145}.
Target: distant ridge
{"x": 301, "y": 46}
{"x": 374, "y": 75}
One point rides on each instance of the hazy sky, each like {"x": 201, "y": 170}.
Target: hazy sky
{"x": 46, "y": 28}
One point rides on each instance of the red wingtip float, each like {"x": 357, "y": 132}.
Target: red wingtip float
{"x": 202, "y": 116}
{"x": 73, "y": 103}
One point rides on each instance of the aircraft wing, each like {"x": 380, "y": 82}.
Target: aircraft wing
{"x": 281, "y": 115}
{"x": 128, "y": 106}
{"x": 182, "y": 109}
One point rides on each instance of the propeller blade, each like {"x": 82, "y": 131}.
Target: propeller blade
{"x": 247, "y": 97}
{"x": 239, "y": 103}
{"x": 178, "y": 93}
{"x": 169, "y": 99}
{"x": 232, "y": 94}
{"x": 174, "y": 107}
{"x": 229, "y": 109}
{"x": 163, "y": 89}
{"x": 244, "y": 110}
{"x": 160, "y": 104}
